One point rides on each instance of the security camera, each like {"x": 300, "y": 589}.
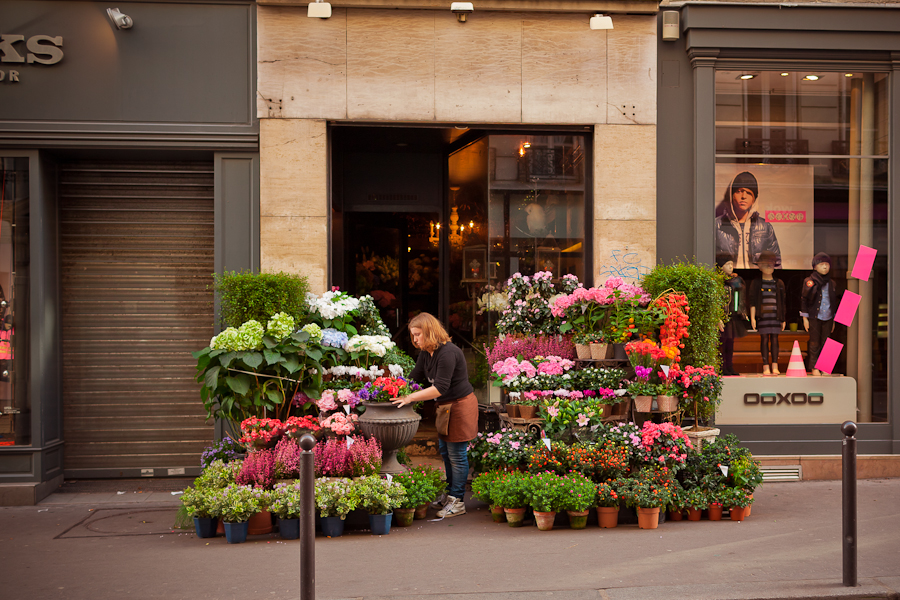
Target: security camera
{"x": 121, "y": 21}
{"x": 461, "y": 10}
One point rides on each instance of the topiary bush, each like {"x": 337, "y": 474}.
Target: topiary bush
{"x": 706, "y": 294}
{"x": 258, "y": 296}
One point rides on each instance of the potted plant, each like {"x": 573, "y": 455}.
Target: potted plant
{"x": 641, "y": 390}
{"x": 696, "y": 501}
{"x": 335, "y": 498}
{"x": 365, "y": 456}
{"x": 647, "y": 495}
{"x": 580, "y": 494}
{"x": 507, "y": 448}
{"x": 234, "y": 506}
{"x": 196, "y": 502}
{"x": 546, "y": 493}
{"x": 736, "y": 500}
{"x": 716, "y": 499}
{"x": 481, "y": 490}
{"x": 608, "y": 501}
{"x": 676, "y": 502}
{"x": 435, "y": 478}
{"x": 379, "y": 497}
{"x": 746, "y": 474}
{"x": 511, "y": 492}
{"x": 393, "y": 427}
{"x": 286, "y": 502}
{"x": 419, "y": 490}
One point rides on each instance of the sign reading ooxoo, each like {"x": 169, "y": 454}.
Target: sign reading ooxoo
{"x": 787, "y": 400}
{"x": 40, "y": 49}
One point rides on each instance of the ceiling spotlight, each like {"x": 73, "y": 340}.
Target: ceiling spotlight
{"x": 319, "y": 10}
{"x": 746, "y": 77}
{"x": 599, "y": 21}
{"x": 848, "y": 74}
{"x": 121, "y": 21}
{"x": 527, "y": 145}
{"x": 462, "y": 10}
{"x": 785, "y": 74}
{"x": 811, "y": 78}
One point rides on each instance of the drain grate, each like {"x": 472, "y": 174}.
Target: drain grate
{"x": 781, "y": 473}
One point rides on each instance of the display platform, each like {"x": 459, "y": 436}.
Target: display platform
{"x": 781, "y": 400}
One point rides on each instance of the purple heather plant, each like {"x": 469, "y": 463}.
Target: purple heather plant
{"x": 258, "y": 469}
{"x": 333, "y": 459}
{"x": 529, "y": 347}
{"x": 287, "y": 459}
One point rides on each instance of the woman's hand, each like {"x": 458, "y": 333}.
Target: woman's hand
{"x": 401, "y": 402}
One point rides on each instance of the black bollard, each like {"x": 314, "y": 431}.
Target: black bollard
{"x": 307, "y": 519}
{"x": 848, "y": 428}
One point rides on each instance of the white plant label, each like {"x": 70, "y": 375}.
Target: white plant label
{"x": 349, "y": 441}
{"x": 724, "y": 470}
{"x": 347, "y": 408}
{"x": 665, "y": 369}
{"x": 546, "y": 442}
{"x": 390, "y": 478}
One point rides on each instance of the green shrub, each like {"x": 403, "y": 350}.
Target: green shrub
{"x": 258, "y": 296}
{"x": 706, "y": 294}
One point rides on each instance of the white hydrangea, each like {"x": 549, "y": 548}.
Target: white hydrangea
{"x": 280, "y": 326}
{"x": 396, "y": 370}
{"x": 332, "y": 305}
{"x": 373, "y": 344}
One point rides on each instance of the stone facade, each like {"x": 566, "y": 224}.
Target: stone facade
{"x": 422, "y": 66}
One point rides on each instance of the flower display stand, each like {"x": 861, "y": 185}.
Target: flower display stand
{"x": 393, "y": 427}
{"x": 532, "y": 425}
{"x": 701, "y": 436}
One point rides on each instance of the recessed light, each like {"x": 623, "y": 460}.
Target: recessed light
{"x": 527, "y": 144}
{"x": 811, "y": 78}
{"x": 785, "y": 74}
{"x": 745, "y": 77}
{"x": 848, "y": 74}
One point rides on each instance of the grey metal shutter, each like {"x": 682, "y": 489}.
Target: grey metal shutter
{"x": 136, "y": 257}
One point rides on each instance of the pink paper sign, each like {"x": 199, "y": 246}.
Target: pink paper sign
{"x": 847, "y": 309}
{"x": 863, "y": 264}
{"x": 829, "y": 355}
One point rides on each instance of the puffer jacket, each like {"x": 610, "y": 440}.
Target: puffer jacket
{"x": 762, "y": 237}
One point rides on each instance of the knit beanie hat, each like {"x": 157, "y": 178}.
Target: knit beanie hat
{"x": 746, "y": 180}
{"x": 723, "y": 258}
{"x": 820, "y": 258}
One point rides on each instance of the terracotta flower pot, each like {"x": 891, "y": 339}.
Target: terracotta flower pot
{"x": 403, "y": 517}
{"x": 648, "y": 518}
{"x": 260, "y": 523}
{"x": 598, "y": 351}
{"x": 607, "y": 516}
{"x": 514, "y": 516}
{"x": 527, "y": 412}
{"x": 544, "y": 520}
{"x": 578, "y": 518}
{"x": 643, "y": 403}
{"x": 667, "y": 403}
{"x": 421, "y": 512}
{"x": 715, "y": 512}
{"x": 749, "y": 506}
{"x": 694, "y": 514}
{"x": 583, "y": 351}
{"x": 497, "y": 513}
{"x": 393, "y": 427}
{"x": 676, "y": 515}
{"x": 512, "y": 410}
{"x": 738, "y": 513}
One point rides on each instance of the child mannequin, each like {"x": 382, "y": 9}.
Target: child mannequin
{"x": 767, "y": 304}
{"x": 817, "y": 306}
{"x": 735, "y": 324}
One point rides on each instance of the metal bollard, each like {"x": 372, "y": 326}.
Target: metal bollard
{"x": 307, "y": 519}
{"x": 848, "y": 428}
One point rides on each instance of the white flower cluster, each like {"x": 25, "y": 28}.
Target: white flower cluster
{"x": 396, "y": 370}
{"x": 280, "y": 326}
{"x": 332, "y": 305}
{"x": 373, "y": 344}
{"x": 493, "y": 301}
{"x": 345, "y": 371}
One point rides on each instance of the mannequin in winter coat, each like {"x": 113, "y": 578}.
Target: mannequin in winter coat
{"x": 740, "y": 231}
{"x": 767, "y": 311}
{"x": 735, "y": 323}
{"x": 817, "y": 307}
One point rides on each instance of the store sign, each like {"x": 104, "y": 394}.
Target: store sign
{"x": 16, "y": 49}
{"x": 781, "y": 400}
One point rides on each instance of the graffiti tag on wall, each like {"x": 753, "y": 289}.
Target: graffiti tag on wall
{"x": 624, "y": 263}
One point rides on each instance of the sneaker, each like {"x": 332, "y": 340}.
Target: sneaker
{"x": 454, "y": 508}
{"x": 440, "y": 502}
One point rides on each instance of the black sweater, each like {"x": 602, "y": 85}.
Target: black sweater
{"x": 446, "y": 370}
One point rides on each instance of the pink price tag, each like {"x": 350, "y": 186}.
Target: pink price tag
{"x": 847, "y": 309}
{"x": 862, "y": 266}
{"x": 829, "y": 355}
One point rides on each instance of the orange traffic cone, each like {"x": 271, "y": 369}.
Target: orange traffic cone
{"x": 795, "y": 367}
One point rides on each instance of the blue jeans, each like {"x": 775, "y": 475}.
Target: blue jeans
{"x": 456, "y": 465}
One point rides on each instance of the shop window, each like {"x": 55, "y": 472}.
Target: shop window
{"x": 810, "y": 152}
{"x": 15, "y": 406}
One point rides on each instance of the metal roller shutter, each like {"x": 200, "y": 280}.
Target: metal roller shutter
{"x": 136, "y": 257}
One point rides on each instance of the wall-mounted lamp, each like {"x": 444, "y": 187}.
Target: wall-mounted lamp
{"x": 811, "y": 78}
{"x": 319, "y": 10}
{"x": 121, "y": 21}
{"x": 599, "y": 21}
{"x": 462, "y": 10}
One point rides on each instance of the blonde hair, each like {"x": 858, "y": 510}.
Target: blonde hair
{"x": 433, "y": 332}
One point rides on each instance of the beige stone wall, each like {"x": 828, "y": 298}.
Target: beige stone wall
{"x": 423, "y": 66}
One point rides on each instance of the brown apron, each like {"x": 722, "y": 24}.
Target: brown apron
{"x": 463, "y": 419}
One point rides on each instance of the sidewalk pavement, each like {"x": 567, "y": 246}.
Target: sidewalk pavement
{"x": 111, "y": 546}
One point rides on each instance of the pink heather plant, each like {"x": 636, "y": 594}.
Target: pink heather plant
{"x": 258, "y": 469}
{"x": 529, "y": 348}
{"x": 333, "y": 459}
{"x": 287, "y": 459}
{"x": 366, "y": 456}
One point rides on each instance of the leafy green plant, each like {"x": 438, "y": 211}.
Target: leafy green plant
{"x": 249, "y": 296}
{"x": 218, "y": 475}
{"x": 649, "y": 488}
{"x": 695, "y": 498}
{"x": 580, "y": 493}
{"x": 707, "y": 296}
{"x": 378, "y": 496}
{"x": 546, "y": 492}
{"x": 336, "y": 497}
{"x": 237, "y": 503}
{"x": 745, "y": 473}
{"x": 419, "y": 487}
{"x": 286, "y": 500}
{"x": 482, "y": 485}
{"x": 197, "y": 501}
{"x": 607, "y": 494}
{"x": 510, "y": 490}
{"x": 735, "y": 496}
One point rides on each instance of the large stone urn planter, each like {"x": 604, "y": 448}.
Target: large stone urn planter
{"x": 393, "y": 427}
